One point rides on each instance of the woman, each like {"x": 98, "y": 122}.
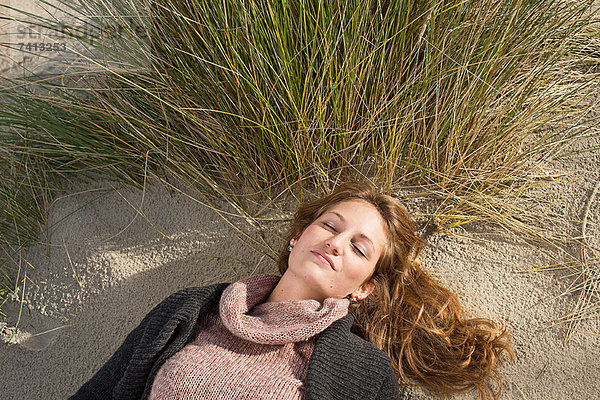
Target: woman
{"x": 351, "y": 315}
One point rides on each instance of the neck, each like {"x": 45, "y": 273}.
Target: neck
{"x": 288, "y": 289}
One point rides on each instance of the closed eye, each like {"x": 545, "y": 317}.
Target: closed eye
{"x": 358, "y": 250}
{"x": 328, "y": 225}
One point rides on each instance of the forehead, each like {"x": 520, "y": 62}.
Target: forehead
{"x": 362, "y": 216}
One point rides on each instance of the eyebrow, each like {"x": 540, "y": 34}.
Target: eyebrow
{"x": 362, "y": 235}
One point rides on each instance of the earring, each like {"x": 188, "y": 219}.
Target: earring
{"x": 290, "y": 245}
{"x": 352, "y": 299}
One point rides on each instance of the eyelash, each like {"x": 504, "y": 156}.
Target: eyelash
{"x": 360, "y": 253}
{"x": 356, "y": 249}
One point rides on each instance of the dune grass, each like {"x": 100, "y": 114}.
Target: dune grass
{"x": 245, "y": 100}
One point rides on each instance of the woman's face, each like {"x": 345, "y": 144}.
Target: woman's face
{"x": 337, "y": 252}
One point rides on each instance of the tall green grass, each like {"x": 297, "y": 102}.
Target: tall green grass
{"x": 243, "y": 100}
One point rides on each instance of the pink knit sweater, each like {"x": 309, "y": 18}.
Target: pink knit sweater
{"x": 248, "y": 349}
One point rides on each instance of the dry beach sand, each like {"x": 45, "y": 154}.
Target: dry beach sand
{"x": 111, "y": 255}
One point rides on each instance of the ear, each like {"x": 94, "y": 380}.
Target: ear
{"x": 364, "y": 290}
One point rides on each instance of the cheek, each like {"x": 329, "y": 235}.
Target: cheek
{"x": 310, "y": 235}
{"x": 360, "y": 271}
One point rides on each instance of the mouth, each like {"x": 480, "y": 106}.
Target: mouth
{"x": 324, "y": 258}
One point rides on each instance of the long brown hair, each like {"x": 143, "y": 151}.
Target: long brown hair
{"x": 410, "y": 316}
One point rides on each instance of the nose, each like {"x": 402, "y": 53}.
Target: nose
{"x": 333, "y": 245}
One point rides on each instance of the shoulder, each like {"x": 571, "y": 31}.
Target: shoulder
{"x": 196, "y": 294}
{"x": 343, "y": 365}
{"x": 339, "y": 336}
{"x": 187, "y": 301}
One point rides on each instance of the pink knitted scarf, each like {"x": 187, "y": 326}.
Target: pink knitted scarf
{"x": 243, "y": 313}
{"x": 247, "y": 349}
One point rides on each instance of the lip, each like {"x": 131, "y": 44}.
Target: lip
{"x": 324, "y": 257}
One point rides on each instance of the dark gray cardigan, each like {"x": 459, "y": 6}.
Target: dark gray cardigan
{"x": 342, "y": 365}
